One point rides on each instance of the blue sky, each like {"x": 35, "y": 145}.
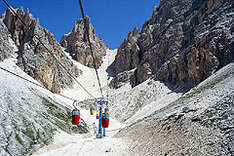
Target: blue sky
{"x": 112, "y": 19}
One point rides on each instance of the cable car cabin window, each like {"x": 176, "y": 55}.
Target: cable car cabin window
{"x": 76, "y": 112}
{"x": 105, "y": 116}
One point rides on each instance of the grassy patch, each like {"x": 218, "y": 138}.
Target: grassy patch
{"x": 48, "y": 104}
{"x": 20, "y": 141}
{"x": 29, "y": 133}
{"x": 61, "y": 117}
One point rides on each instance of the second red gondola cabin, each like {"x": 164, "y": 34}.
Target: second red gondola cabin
{"x": 105, "y": 120}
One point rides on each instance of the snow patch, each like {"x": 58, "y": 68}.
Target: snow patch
{"x": 88, "y": 78}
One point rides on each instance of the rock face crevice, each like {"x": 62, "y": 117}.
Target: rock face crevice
{"x": 33, "y": 57}
{"x": 183, "y": 42}
{"x": 76, "y": 43}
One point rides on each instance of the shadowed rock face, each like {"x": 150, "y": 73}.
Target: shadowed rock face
{"x": 76, "y": 43}
{"x": 183, "y": 42}
{"x": 33, "y": 58}
{"x": 127, "y": 57}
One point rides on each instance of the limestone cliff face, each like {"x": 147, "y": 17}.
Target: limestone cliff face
{"x": 4, "y": 42}
{"x": 183, "y": 42}
{"x": 76, "y": 44}
{"x": 127, "y": 57}
{"x": 33, "y": 58}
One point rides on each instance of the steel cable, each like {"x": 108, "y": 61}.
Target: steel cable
{"x": 35, "y": 83}
{"x": 91, "y": 49}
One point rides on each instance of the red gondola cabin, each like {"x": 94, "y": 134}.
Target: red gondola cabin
{"x": 105, "y": 120}
{"x": 75, "y": 116}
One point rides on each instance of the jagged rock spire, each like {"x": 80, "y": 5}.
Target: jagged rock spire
{"x": 33, "y": 57}
{"x": 77, "y": 44}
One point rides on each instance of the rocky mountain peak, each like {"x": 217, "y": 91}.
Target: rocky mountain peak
{"x": 155, "y": 10}
{"x": 135, "y": 33}
{"x": 76, "y": 43}
{"x": 183, "y": 42}
{"x": 33, "y": 57}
